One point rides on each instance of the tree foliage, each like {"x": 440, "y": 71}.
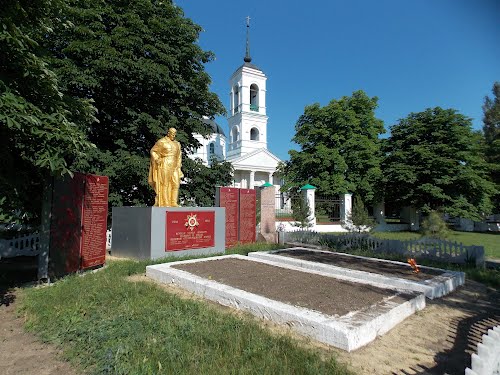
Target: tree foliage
{"x": 339, "y": 148}
{"x": 434, "y": 226}
{"x": 491, "y": 130}
{"x": 200, "y": 191}
{"x": 40, "y": 127}
{"x": 301, "y": 212}
{"x": 434, "y": 161}
{"x": 140, "y": 63}
{"x": 358, "y": 219}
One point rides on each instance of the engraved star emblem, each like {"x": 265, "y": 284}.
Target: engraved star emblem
{"x": 191, "y": 222}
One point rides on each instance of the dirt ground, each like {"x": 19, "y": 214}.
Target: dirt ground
{"x": 21, "y": 352}
{"x": 328, "y": 295}
{"x": 437, "y": 340}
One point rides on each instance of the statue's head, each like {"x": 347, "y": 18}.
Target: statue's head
{"x": 172, "y": 132}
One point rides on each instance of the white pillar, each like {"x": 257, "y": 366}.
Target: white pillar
{"x": 308, "y": 193}
{"x": 345, "y": 207}
{"x": 271, "y": 178}
{"x": 252, "y": 177}
{"x": 379, "y": 212}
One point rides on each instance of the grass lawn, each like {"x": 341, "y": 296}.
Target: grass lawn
{"x": 490, "y": 241}
{"x": 107, "y": 324}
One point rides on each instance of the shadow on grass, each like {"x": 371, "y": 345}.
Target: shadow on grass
{"x": 15, "y": 272}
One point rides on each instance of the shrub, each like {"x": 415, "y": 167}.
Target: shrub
{"x": 359, "y": 220}
{"x": 434, "y": 226}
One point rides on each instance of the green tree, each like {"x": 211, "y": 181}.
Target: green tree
{"x": 434, "y": 226}
{"x": 491, "y": 130}
{"x": 434, "y": 161}
{"x": 200, "y": 191}
{"x": 140, "y": 63}
{"x": 301, "y": 212}
{"x": 40, "y": 127}
{"x": 359, "y": 220}
{"x": 339, "y": 148}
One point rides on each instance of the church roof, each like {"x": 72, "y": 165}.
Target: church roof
{"x": 249, "y": 65}
{"x": 216, "y": 129}
{"x": 261, "y": 157}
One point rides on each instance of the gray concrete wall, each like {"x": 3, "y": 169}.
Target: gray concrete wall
{"x": 139, "y": 232}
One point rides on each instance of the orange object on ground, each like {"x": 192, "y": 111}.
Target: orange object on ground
{"x": 413, "y": 264}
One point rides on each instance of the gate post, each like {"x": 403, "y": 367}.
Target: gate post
{"x": 308, "y": 193}
{"x": 345, "y": 207}
{"x": 379, "y": 212}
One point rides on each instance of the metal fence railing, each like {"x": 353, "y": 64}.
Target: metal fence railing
{"x": 327, "y": 209}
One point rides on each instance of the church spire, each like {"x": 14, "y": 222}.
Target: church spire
{"x": 247, "y": 58}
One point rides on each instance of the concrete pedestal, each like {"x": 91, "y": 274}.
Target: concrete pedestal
{"x": 140, "y": 232}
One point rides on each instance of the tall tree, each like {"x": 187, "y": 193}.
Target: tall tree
{"x": 140, "y": 63}
{"x": 491, "y": 130}
{"x": 38, "y": 123}
{"x": 434, "y": 161}
{"x": 201, "y": 189}
{"x": 339, "y": 148}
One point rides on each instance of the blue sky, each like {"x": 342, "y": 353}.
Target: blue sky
{"x": 411, "y": 54}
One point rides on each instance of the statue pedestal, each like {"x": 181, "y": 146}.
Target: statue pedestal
{"x": 158, "y": 232}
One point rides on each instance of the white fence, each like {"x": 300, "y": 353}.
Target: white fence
{"x": 27, "y": 245}
{"x": 487, "y": 359}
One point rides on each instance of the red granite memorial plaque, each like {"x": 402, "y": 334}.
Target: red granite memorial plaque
{"x": 229, "y": 199}
{"x": 189, "y": 230}
{"x": 248, "y": 215}
{"x": 66, "y": 224}
{"x": 78, "y": 223}
{"x": 95, "y": 214}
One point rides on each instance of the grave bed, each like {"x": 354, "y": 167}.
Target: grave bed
{"x": 337, "y": 312}
{"x": 433, "y": 282}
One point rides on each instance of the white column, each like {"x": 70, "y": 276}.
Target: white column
{"x": 308, "y": 193}
{"x": 345, "y": 207}
{"x": 252, "y": 177}
{"x": 379, "y": 212}
{"x": 271, "y": 178}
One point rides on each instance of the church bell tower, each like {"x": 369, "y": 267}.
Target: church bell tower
{"x": 247, "y": 113}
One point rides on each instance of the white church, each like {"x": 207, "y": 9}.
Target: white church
{"x": 246, "y": 149}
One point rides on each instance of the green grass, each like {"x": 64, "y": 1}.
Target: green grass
{"x": 244, "y": 249}
{"x": 490, "y": 241}
{"x": 108, "y": 325}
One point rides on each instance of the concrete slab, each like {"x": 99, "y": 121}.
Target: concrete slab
{"x": 348, "y": 332}
{"x": 435, "y": 287}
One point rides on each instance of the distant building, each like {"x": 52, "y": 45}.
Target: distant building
{"x": 253, "y": 163}
{"x": 213, "y": 146}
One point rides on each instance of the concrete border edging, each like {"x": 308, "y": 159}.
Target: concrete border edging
{"x": 433, "y": 288}
{"x": 348, "y": 332}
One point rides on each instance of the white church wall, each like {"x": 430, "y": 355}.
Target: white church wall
{"x": 203, "y": 152}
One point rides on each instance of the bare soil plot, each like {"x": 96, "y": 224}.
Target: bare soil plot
{"x": 325, "y": 294}
{"x": 361, "y": 264}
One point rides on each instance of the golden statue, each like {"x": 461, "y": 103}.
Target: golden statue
{"x": 165, "y": 170}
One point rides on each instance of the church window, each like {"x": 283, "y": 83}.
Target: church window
{"x": 211, "y": 148}
{"x": 235, "y": 134}
{"x": 254, "y": 134}
{"x": 236, "y": 99}
{"x": 254, "y": 97}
